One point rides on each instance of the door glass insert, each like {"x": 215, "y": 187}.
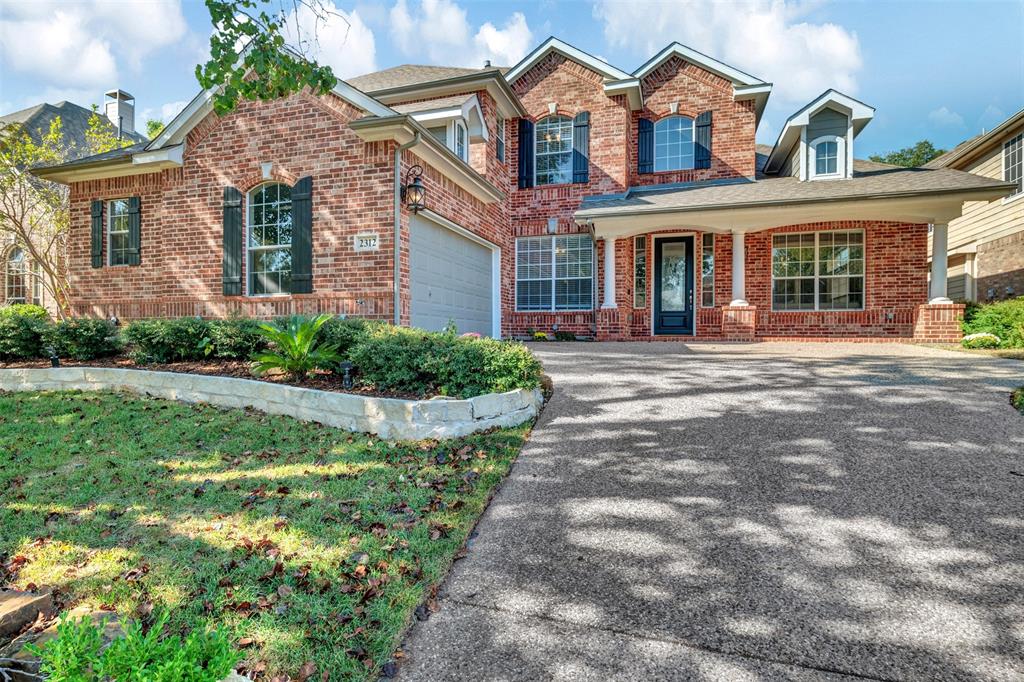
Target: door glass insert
{"x": 673, "y": 277}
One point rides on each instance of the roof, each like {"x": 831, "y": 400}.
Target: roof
{"x": 887, "y": 182}
{"x": 409, "y": 74}
{"x": 112, "y": 155}
{"x": 74, "y": 120}
{"x": 859, "y": 113}
{"x": 431, "y": 104}
{"x": 968, "y": 149}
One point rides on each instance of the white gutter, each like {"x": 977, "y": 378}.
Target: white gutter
{"x": 397, "y": 237}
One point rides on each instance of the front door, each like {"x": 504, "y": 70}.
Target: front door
{"x": 673, "y": 285}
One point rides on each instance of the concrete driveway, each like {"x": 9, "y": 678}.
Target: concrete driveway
{"x": 769, "y": 511}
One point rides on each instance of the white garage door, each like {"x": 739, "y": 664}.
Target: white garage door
{"x": 451, "y": 279}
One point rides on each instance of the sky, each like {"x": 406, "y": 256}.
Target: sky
{"x": 942, "y": 71}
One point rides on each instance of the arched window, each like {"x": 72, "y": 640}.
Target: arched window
{"x": 673, "y": 144}
{"x": 16, "y": 276}
{"x": 554, "y": 150}
{"x": 269, "y": 229}
{"x": 828, "y": 157}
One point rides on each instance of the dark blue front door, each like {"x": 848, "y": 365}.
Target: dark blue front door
{"x": 673, "y": 285}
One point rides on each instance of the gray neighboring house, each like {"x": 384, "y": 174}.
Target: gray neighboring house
{"x": 21, "y": 282}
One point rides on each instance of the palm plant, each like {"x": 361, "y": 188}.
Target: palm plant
{"x": 295, "y": 347}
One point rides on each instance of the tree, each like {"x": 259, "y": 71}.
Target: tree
{"x": 154, "y": 128}
{"x": 101, "y": 136}
{"x": 251, "y": 57}
{"x": 910, "y": 157}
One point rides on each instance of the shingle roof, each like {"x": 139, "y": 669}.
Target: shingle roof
{"x": 762, "y": 152}
{"x": 74, "y": 121}
{"x": 968, "y": 148}
{"x": 431, "y": 104}
{"x": 891, "y": 181}
{"x": 407, "y": 74}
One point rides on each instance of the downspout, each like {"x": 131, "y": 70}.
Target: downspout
{"x": 397, "y": 237}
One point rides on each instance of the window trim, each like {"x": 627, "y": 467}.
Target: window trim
{"x": 1019, "y": 138}
{"x": 817, "y": 244}
{"x": 109, "y": 232}
{"x": 25, "y": 275}
{"x": 458, "y": 124}
{"x": 812, "y": 158}
{"x": 554, "y": 278}
{"x": 499, "y": 135}
{"x": 247, "y": 226}
{"x": 693, "y": 143}
{"x": 639, "y": 250}
{"x": 536, "y": 155}
{"x": 703, "y": 238}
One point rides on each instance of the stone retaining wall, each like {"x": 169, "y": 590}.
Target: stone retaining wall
{"x": 386, "y": 417}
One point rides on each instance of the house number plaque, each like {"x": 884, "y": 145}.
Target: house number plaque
{"x": 366, "y": 242}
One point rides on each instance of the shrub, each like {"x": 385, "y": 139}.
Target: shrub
{"x": 82, "y": 339}
{"x": 21, "y": 336}
{"x": 395, "y": 359}
{"x": 1017, "y": 399}
{"x": 565, "y": 336}
{"x": 77, "y": 654}
{"x": 344, "y": 333}
{"x": 1005, "y": 319}
{"x": 980, "y": 340}
{"x": 296, "y": 348}
{"x": 174, "y": 340}
{"x": 24, "y": 310}
{"x": 236, "y": 338}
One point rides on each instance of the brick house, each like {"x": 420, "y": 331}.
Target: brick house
{"x": 561, "y": 194}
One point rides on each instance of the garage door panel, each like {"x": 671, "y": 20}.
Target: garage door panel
{"x": 451, "y": 279}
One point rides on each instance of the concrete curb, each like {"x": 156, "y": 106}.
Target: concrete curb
{"x": 438, "y": 418}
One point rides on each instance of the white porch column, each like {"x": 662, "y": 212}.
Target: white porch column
{"x": 940, "y": 237}
{"x": 739, "y": 278}
{"x": 609, "y": 273}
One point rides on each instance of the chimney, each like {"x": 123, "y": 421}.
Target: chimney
{"x": 487, "y": 64}
{"x": 120, "y": 109}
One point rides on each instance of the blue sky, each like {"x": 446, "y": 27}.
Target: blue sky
{"x": 936, "y": 70}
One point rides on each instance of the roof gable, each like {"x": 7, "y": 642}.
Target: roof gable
{"x": 859, "y": 113}
{"x": 969, "y": 149}
{"x": 552, "y": 44}
{"x": 688, "y": 54}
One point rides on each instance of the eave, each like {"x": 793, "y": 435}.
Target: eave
{"x": 138, "y": 163}
{"x": 403, "y": 129}
{"x": 490, "y": 80}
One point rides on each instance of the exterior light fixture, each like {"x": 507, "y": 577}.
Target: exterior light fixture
{"x": 346, "y": 378}
{"x": 54, "y": 360}
{"x": 414, "y": 193}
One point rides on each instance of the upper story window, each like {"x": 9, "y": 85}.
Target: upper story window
{"x": 499, "y": 133}
{"x": 673, "y": 144}
{"x": 460, "y": 139}
{"x": 554, "y": 150}
{"x": 827, "y": 157}
{"x": 1013, "y": 162}
{"x": 117, "y": 232}
{"x": 270, "y": 239}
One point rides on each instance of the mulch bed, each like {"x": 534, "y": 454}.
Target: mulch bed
{"x": 238, "y": 369}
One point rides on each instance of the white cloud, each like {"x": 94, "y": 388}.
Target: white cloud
{"x": 944, "y": 117}
{"x": 164, "y": 114}
{"x": 438, "y": 31}
{"x": 763, "y": 37}
{"x": 342, "y": 40}
{"x": 991, "y": 117}
{"x": 78, "y": 43}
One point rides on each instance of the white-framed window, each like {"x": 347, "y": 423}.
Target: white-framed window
{"x": 707, "y": 270}
{"x": 269, "y": 239}
{"x": 460, "y": 139}
{"x": 673, "y": 144}
{"x": 117, "y": 232}
{"x": 818, "y": 270}
{"x": 555, "y": 273}
{"x": 827, "y": 157}
{"x": 640, "y": 272}
{"x": 499, "y": 134}
{"x": 1013, "y": 162}
{"x": 553, "y": 158}
{"x": 16, "y": 276}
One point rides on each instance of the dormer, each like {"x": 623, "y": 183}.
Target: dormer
{"x": 817, "y": 141}
{"x": 454, "y": 121}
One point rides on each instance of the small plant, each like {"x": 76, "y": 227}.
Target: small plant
{"x": 82, "y": 339}
{"x": 980, "y": 340}
{"x": 541, "y": 336}
{"x": 296, "y": 348}
{"x": 1017, "y": 399}
{"x": 565, "y": 336}
{"x": 21, "y": 335}
{"x": 236, "y": 338}
{"x": 174, "y": 340}
{"x": 77, "y": 654}
{"x": 24, "y": 310}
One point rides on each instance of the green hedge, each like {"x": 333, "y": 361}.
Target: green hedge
{"x": 21, "y": 336}
{"x": 82, "y": 339}
{"x": 173, "y": 340}
{"x": 1005, "y": 319}
{"x": 24, "y": 310}
{"x": 236, "y": 338}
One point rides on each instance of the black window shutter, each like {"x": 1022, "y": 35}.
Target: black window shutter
{"x": 645, "y": 146}
{"x": 702, "y": 135}
{"x": 96, "y": 243}
{"x": 134, "y": 231}
{"x": 581, "y": 147}
{"x": 525, "y": 153}
{"x": 231, "y": 278}
{"x": 302, "y": 236}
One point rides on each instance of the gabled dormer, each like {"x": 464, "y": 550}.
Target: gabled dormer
{"x": 817, "y": 141}
{"x": 454, "y": 121}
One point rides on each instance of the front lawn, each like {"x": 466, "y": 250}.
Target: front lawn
{"x": 308, "y": 543}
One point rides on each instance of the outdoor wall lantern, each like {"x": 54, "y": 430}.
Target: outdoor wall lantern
{"x": 346, "y": 368}
{"x": 414, "y": 193}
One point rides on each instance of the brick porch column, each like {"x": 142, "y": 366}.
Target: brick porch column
{"x": 739, "y": 318}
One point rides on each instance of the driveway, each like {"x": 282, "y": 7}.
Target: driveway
{"x": 767, "y": 511}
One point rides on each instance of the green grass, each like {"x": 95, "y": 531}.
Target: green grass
{"x": 1017, "y": 399}
{"x": 314, "y": 543}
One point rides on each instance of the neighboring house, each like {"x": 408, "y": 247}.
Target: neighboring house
{"x": 21, "y": 279}
{"x": 563, "y": 193}
{"x": 986, "y": 244}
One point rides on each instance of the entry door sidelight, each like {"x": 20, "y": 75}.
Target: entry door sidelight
{"x": 673, "y": 285}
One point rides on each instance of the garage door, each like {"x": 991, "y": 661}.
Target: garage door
{"x": 451, "y": 279}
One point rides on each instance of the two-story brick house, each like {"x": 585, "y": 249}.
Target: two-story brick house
{"x": 561, "y": 194}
